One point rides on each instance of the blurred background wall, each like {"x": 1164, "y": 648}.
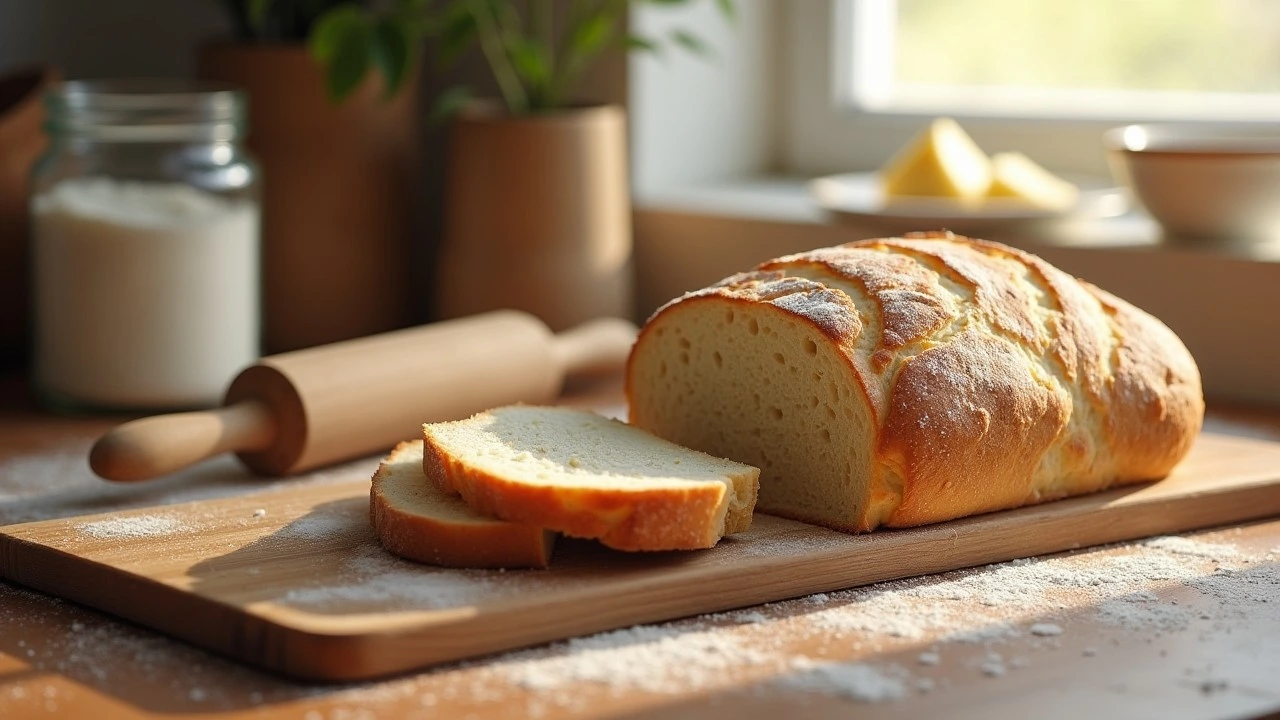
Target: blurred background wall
{"x": 108, "y": 38}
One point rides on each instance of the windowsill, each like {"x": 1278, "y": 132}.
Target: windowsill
{"x": 782, "y": 199}
{"x": 787, "y": 200}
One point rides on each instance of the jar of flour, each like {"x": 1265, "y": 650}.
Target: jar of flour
{"x": 145, "y": 246}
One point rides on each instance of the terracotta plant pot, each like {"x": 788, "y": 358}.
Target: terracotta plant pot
{"x": 538, "y": 216}
{"x": 339, "y": 185}
{"x": 22, "y": 140}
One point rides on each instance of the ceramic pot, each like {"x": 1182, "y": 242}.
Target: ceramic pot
{"x": 537, "y": 216}
{"x": 22, "y": 140}
{"x": 339, "y": 184}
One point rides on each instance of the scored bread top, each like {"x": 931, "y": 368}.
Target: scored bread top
{"x": 589, "y": 476}
{"x": 415, "y": 519}
{"x": 989, "y": 378}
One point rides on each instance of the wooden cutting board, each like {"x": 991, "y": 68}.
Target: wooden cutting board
{"x": 294, "y": 581}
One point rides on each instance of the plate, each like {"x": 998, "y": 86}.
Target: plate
{"x": 859, "y": 197}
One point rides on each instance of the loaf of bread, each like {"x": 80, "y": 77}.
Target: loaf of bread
{"x": 590, "y": 477}
{"x": 905, "y": 381}
{"x": 417, "y": 520}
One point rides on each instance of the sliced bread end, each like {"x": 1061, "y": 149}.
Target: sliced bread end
{"x": 417, "y": 520}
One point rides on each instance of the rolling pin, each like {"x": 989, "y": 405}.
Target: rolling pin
{"x": 301, "y": 410}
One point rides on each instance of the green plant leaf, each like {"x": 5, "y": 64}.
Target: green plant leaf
{"x": 393, "y": 54}
{"x": 342, "y": 42}
{"x": 331, "y": 29}
{"x": 449, "y": 103}
{"x": 532, "y": 61}
{"x": 690, "y": 42}
{"x": 640, "y": 43}
{"x": 728, "y": 9}
{"x": 591, "y": 36}
{"x": 457, "y": 31}
{"x": 258, "y": 10}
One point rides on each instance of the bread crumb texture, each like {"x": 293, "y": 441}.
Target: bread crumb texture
{"x": 589, "y": 476}
{"x": 904, "y": 381}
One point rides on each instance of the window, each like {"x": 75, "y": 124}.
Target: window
{"x": 1116, "y": 59}
{"x": 1045, "y": 77}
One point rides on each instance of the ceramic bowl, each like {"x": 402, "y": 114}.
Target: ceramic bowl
{"x": 1203, "y": 183}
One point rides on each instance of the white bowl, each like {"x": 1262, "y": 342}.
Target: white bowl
{"x": 1218, "y": 184}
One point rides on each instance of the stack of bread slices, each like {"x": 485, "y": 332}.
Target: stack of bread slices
{"x": 495, "y": 490}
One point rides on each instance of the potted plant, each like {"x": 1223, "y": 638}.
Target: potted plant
{"x": 537, "y": 213}
{"x": 340, "y": 159}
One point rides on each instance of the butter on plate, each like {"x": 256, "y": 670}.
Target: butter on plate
{"x": 943, "y": 162}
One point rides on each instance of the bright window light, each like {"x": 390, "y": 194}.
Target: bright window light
{"x": 1121, "y": 59}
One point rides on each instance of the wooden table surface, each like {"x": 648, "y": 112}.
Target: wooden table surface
{"x": 1177, "y": 627}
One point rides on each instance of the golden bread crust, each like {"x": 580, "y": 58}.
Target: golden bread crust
{"x": 991, "y": 378}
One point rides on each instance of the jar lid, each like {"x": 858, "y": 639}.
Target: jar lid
{"x": 146, "y": 110}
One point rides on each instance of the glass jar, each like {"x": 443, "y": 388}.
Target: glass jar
{"x": 145, "y": 246}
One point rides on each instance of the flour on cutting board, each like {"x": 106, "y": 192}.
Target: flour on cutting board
{"x": 375, "y": 581}
{"x": 133, "y": 527}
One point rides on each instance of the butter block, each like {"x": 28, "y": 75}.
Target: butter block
{"x": 941, "y": 161}
{"x": 1015, "y": 175}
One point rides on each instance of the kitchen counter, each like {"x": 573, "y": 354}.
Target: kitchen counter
{"x": 1185, "y": 626}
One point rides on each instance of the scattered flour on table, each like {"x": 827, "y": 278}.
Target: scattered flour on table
{"x": 854, "y": 681}
{"x": 133, "y": 527}
{"x": 986, "y": 604}
{"x": 650, "y": 658}
{"x": 1046, "y": 629}
{"x": 1195, "y": 548}
{"x": 992, "y": 665}
{"x": 1143, "y": 611}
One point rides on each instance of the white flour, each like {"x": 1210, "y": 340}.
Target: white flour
{"x": 374, "y": 580}
{"x": 856, "y": 681}
{"x": 146, "y": 294}
{"x": 647, "y": 657}
{"x": 321, "y": 526}
{"x": 132, "y": 527}
{"x": 1046, "y": 629}
{"x": 1196, "y": 548}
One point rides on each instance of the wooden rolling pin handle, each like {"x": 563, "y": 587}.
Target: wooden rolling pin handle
{"x": 596, "y": 347}
{"x": 155, "y": 446}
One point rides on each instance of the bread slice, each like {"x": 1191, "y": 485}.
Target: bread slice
{"x": 590, "y": 477}
{"x": 415, "y": 519}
